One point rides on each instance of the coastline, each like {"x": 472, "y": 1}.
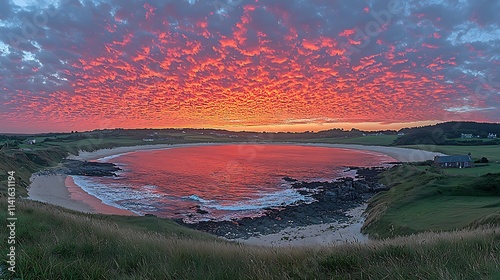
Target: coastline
{"x": 61, "y": 190}
{"x": 313, "y": 235}
{"x": 102, "y": 153}
{"x": 399, "y": 154}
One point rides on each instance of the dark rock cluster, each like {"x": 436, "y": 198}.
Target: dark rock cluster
{"x": 332, "y": 200}
{"x": 84, "y": 168}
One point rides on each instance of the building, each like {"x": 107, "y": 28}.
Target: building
{"x": 454, "y": 161}
{"x": 492, "y": 136}
{"x": 466, "y": 136}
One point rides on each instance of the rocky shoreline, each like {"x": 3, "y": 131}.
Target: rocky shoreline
{"x": 83, "y": 168}
{"x": 332, "y": 201}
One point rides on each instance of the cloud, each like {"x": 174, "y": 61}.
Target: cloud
{"x": 92, "y": 64}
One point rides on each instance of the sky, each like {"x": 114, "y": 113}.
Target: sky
{"x": 264, "y": 65}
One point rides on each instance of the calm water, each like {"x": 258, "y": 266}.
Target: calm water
{"x": 228, "y": 181}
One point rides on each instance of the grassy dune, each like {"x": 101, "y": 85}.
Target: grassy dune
{"x": 54, "y": 243}
{"x": 423, "y": 198}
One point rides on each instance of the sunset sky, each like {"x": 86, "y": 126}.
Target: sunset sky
{"x": 288, "y": 65}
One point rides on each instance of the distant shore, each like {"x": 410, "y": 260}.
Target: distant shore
{"x": 60, "y": 190}
{"x": 399, "y": 154}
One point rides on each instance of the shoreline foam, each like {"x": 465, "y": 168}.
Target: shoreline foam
{"x": 61, "y": 190}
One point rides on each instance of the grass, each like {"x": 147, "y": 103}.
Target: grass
{"x": 423, "y": 199}
{"x": 478, "y": 170}
{"x": 54, "y": 243}
{"x": 492, "y": 152}
{"x": 445, "y": 212}
{"x": 381, "y": 140}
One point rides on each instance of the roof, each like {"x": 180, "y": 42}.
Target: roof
{"x": 444, "y": 159}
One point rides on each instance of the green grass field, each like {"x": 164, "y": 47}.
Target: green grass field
{"x": 478, "y": 170}
{"x": 382, "y": 140}
{"x": 492, "y": 152}
{"x": 422, "y": 199}
{"x": 445, "y": 212}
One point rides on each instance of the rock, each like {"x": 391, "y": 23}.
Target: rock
{"x": 288, "y": 179}
{"x": 361, "y": 186}
{"x": 201, "y": 211}
{"x": 377, "y": 187}
{"x": 85, "y": 168}
{"x": 333, "y": 199}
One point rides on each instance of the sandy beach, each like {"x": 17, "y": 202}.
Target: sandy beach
{"x": 322, "y": 234}
{"x": 83, "y": 155}
{"x": 62, "y": 191}
{"x": 399, "y": 154}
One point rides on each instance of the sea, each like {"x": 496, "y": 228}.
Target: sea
{"x": 222, "y": 182}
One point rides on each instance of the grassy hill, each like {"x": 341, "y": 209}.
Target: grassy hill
{"x": 425, "y": 199}
{"x": 450, "y": 133}
{"x": 54, "y": 243}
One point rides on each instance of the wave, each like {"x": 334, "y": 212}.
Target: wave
{"x": 119, "y": 195}
{"x": 267, "y": 200}
{"x": 107, "y": 158}
{"x": 197, "y": 198}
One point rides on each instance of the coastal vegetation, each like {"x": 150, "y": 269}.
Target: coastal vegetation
{"x": 422, "y": 198}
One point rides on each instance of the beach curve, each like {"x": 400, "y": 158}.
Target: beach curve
{"x": 61, "y": 190}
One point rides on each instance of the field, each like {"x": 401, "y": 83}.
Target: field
{"x": 445, "y": 212}
{"x": 492, "y": 152}
{"x": 381, "y": 140}
{"x": 423, "y": 199}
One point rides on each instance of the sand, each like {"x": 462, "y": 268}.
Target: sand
{"x": 82, "y": 155}
{"x": 399, "y": 154}
{"x": 322, "y": 234}
{"x": 62, "y": 191}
